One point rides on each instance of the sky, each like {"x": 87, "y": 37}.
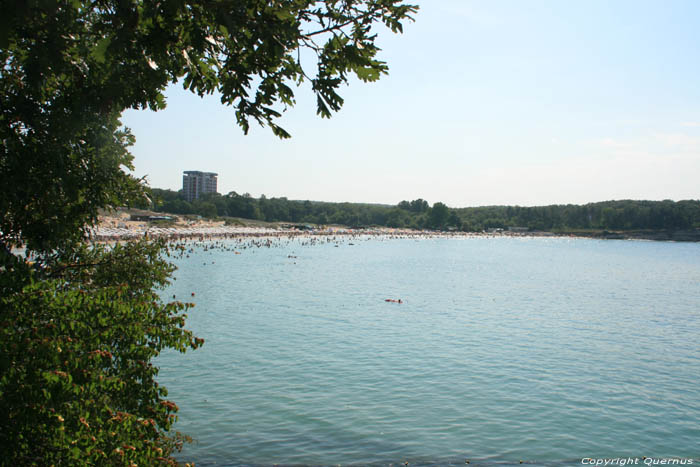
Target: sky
{"x": 486, "y": 103}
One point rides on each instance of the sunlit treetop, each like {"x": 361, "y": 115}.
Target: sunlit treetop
{"x": 119, "y": 54}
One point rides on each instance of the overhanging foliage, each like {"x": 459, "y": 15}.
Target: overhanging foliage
{"x": 81, "y": 325}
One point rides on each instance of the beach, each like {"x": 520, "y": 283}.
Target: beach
{"x": 118, "y": 226}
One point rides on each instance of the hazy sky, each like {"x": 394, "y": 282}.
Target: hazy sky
{"x": 487, "y": 102}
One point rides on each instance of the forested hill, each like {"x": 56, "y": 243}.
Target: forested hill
{"x": 607, "y": 215}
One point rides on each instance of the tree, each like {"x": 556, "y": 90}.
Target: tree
{"x": 405, "y": 205}
{"x": 438, "y": 215}
{"x": 80, "y": 325}
{"x": 453, "y": 220}
{"x": 205, "y": 208}
{"x": 77, "y": 385}
{"x": 419, "y": 205}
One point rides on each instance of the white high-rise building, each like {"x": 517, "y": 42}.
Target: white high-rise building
{"x": 196, "y": 183}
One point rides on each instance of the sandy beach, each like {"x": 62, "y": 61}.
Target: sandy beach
{"x": 118, "y": 226}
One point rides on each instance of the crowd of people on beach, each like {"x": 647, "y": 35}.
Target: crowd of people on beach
{"x": 113, "y": 234}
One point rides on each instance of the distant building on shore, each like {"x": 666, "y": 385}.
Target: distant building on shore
{"x": 196, "y": 183}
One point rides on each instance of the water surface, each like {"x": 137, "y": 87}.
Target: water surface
{"x": 546, "y": 350}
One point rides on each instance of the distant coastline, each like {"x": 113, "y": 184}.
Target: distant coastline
{"x": 613, "y": 216}
{"x": 118, "y": 227}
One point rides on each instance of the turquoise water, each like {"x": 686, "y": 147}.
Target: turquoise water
{"x": 540, "y": 349}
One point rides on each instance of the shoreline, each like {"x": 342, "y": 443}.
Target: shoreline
{"x": 202, "y": 233}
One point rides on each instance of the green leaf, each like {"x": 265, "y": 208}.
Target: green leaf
{"x": 367, "y": 74}
{"x": 100, "y": 49}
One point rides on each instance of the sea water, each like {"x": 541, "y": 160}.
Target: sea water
{"x": 545, "y": 350}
